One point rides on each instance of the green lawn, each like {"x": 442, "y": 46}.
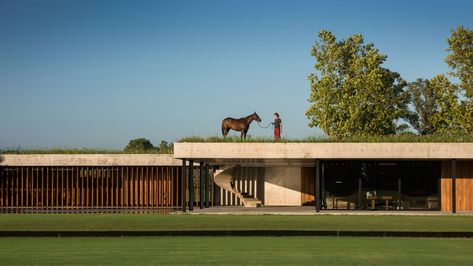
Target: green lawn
{"x": 144, "y": 222}
{"x": 236, "y": 250}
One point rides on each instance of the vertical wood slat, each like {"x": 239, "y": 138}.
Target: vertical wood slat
{"x": 86, "y": 187}
{"x": 168, "y": 193}
{"x": 153, "y": 189}
{"x": 164, "y": 179}
{"x": 131, "y": 187}
{"x": 16, "y": 190}
{"x": 44, "y": 189}
{"x": 144, "y": 187}
{"x": 61, "y": 192}
{"x": 104, "y": 189}
{"x": 108, "y": 188}
{"x": 140, "y": 186}
{"x": 22, "y": 187}
{"x": 160, "y": 186}
{"x": 103, "y": 192}
{"x": 127, "y": 178}
{"x": 52, "y": 187}
{"x": 81, "y": 188}
{"x": 137, "y": 186}
{"x": 97, "y": 186}
{"x": 2, "y": 186}
{"x": 7, "y": 194}
{"x": 141, "y": 189}
{"x": 75, "y": 181}
{"x": 123, "y": 188}
{"x": 37, "y": 188}
{"x": 31, "y": 185}
{"x": 57, "y": 188}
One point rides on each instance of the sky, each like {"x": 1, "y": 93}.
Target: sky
{"x": 84, "y": 73}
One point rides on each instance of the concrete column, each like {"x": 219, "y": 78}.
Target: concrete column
{"x": 191, "y": 185}
{"x": 317, "y": 190}
{"x": 399, "y": 193}
{"x": 201, "y": 186}
{"x": 183, "y": 186}
{"x": 360, "y": 202}
{"x": 207, "y": 187}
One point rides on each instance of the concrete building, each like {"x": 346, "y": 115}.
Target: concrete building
{"x": 348, "y": 176}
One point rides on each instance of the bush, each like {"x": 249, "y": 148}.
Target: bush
{"x": 140, "y": 145}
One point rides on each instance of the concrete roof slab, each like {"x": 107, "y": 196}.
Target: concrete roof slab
{"x": 310, "y": 151}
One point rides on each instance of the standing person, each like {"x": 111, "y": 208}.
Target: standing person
{"x": 277, "y": 127}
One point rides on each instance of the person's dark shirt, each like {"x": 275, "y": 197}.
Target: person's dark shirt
{"x": 277, "y": 123}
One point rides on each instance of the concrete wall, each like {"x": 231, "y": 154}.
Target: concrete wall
{"x": 89, "y": 160}
{"x": 282, "y": 186}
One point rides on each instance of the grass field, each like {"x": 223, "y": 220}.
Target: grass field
{"x": 145, "y": 222}
{"x": 233, "y": 250}
{"x": 236, "y": 250}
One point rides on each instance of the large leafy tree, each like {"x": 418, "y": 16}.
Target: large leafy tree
{"x": 424, "y": 102}
{"x": 460, "y": 58}
{"x": 448, "y": 117}
{"x": 351, "y": 93}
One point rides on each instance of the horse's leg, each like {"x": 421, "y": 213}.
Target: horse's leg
{"x": 224, "y": 132}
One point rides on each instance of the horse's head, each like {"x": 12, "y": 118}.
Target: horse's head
{"x": 256, "y": 117}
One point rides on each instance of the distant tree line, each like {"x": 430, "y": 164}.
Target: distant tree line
{"x": 352, "y": 94}
{"x": 143, "y": 145}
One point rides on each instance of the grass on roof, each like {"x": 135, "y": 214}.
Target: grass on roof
{"x": 322, "y": 139}
{"x": 74, "y": 151}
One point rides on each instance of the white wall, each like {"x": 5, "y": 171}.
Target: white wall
{"x": 282, "y": 186}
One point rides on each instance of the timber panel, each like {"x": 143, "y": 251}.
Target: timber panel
{"x": 464, "y": 186}
{"x": 307, "y": 186}
{"x": 89, "y": 189}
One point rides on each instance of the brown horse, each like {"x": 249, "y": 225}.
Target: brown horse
{"x": 242, "y": 124}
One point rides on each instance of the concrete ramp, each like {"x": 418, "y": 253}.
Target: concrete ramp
{"x": 224, "y": 179}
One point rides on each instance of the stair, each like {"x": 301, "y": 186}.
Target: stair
{"x": 223, "y": 178}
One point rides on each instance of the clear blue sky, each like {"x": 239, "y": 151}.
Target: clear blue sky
{"x": 98, "y": 73}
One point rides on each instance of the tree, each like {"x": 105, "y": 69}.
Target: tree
{"x": 351, "y": 94}
{"x": 139, "y": 145}
{"x": 467, "y": 116}
{"x": 424, "y": 101}
{"x": 165, "y": 147}
{"x": 449, "y": 115}
{"x": 460, "y": 59}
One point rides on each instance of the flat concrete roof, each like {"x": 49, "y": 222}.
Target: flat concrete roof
{"x": 305, "y": 153}
{"x": 89, "y": 160}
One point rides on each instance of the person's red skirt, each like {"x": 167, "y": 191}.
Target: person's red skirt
{"x": 277, "y": 133}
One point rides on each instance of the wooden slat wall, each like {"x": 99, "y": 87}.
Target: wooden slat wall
{"x": 91, "y": 189}
{"x": 307, "y": 185}
{"x": 464, "y": 186}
